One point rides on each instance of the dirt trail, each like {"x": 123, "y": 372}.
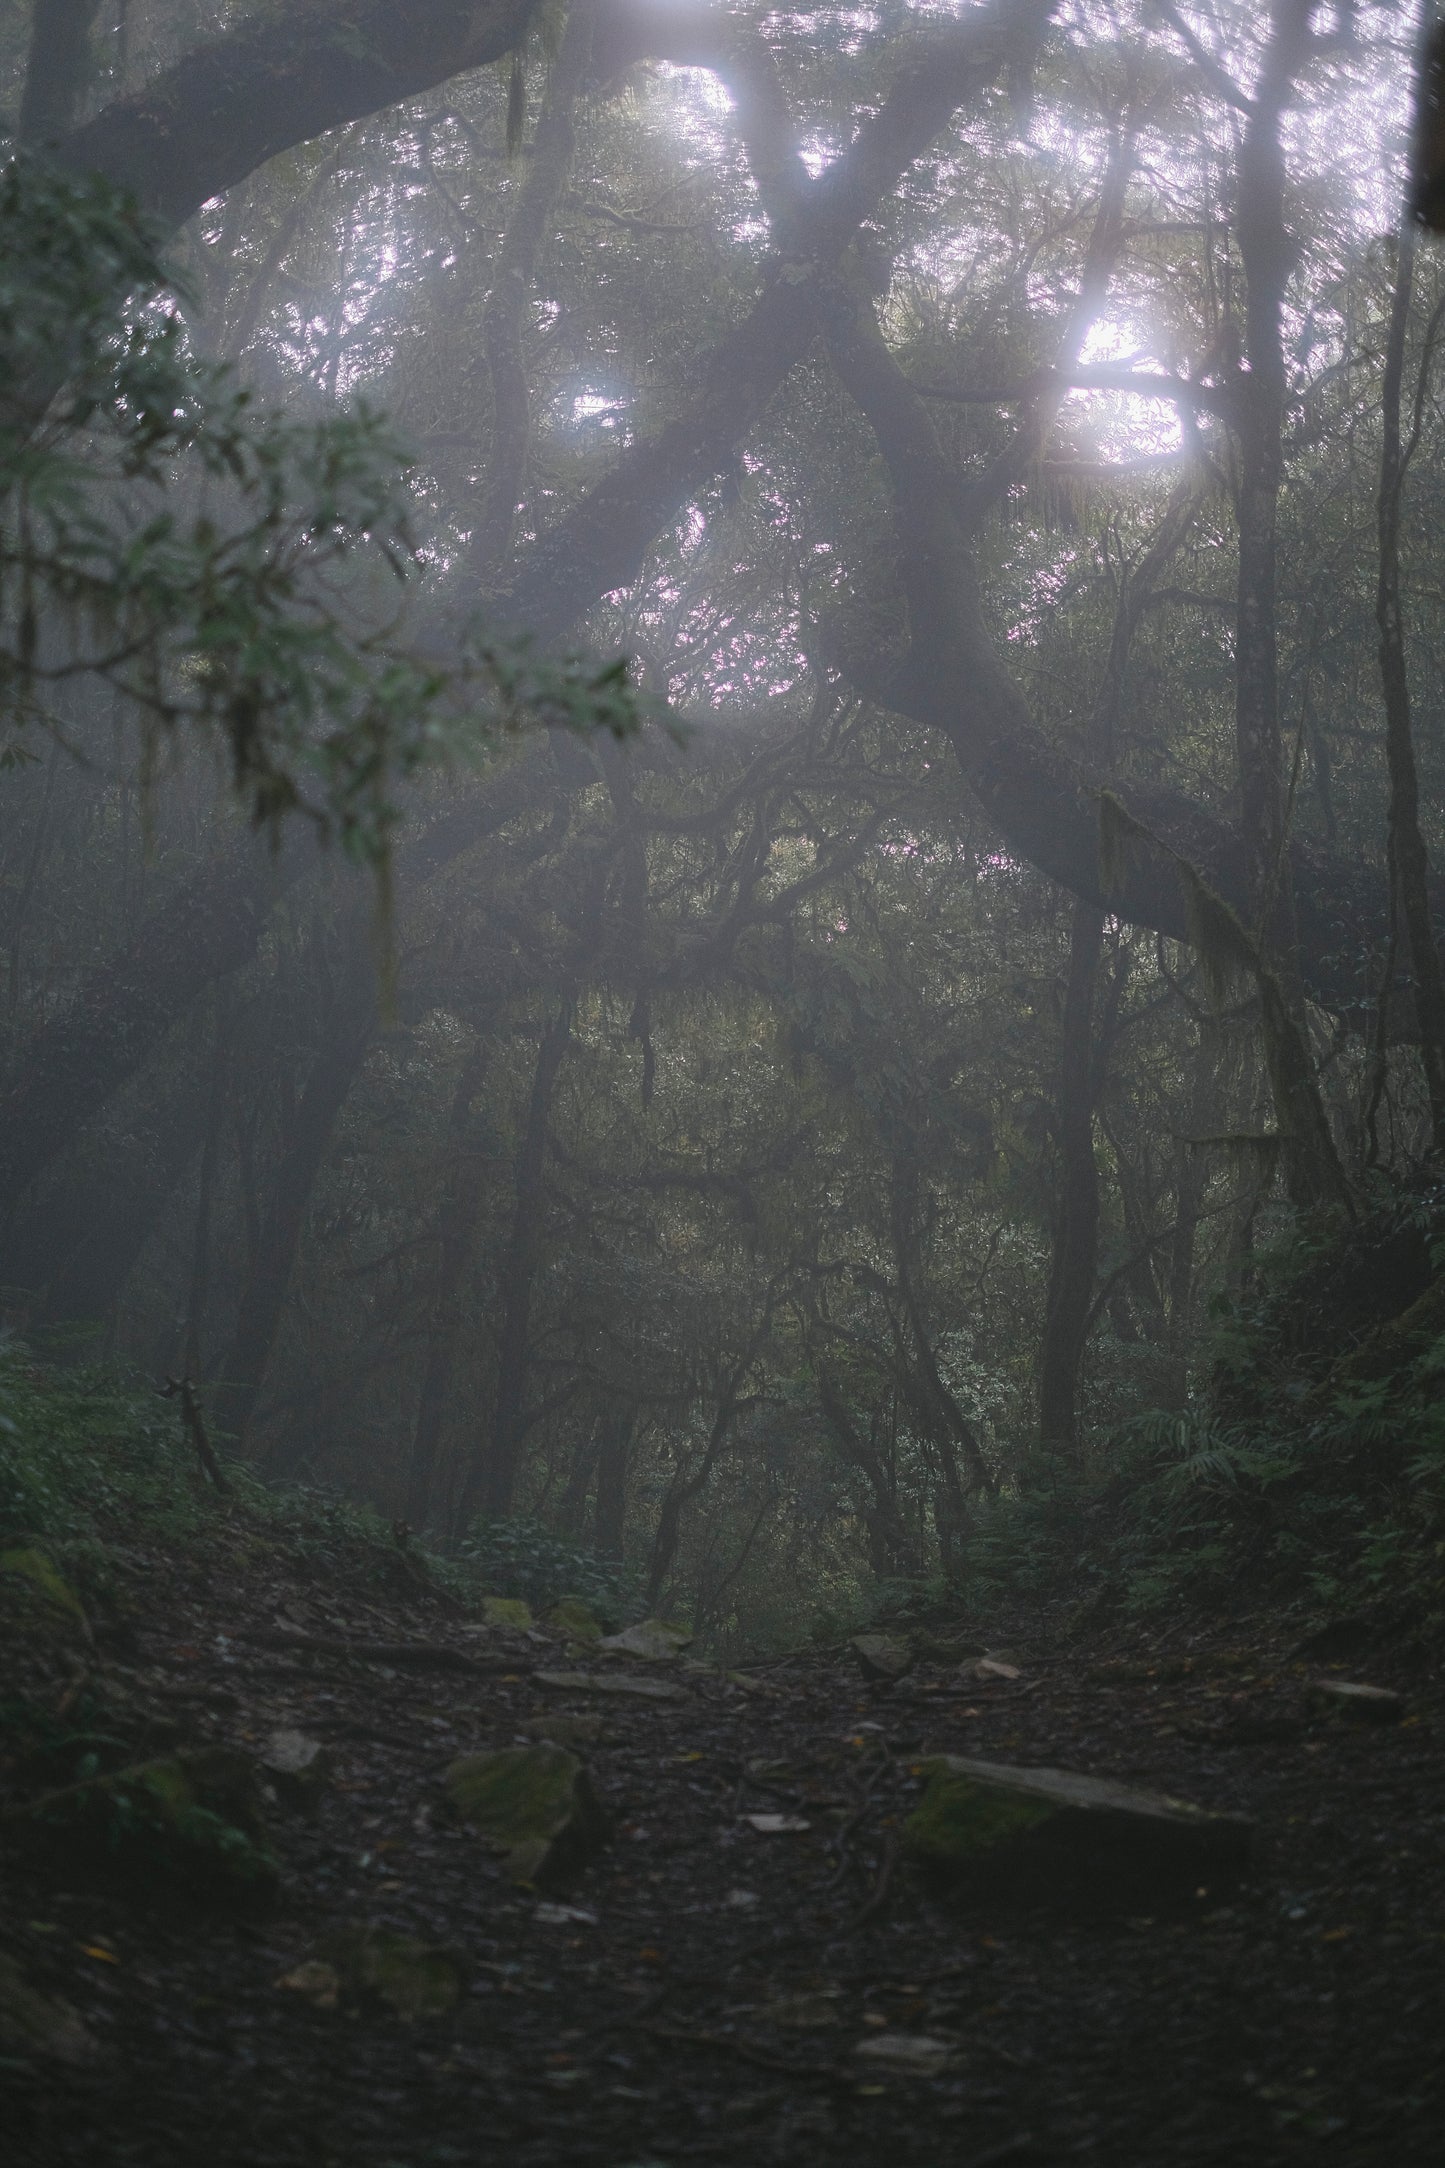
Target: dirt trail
{"x": 717, "y": 1983}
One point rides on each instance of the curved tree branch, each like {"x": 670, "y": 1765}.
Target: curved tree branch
{"x": 281, "y": 77}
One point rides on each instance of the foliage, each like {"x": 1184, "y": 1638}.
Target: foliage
{"x": 223, "y": 567}
{"x": 86, "y": 1454}
{"x": 751, "y": 1281}
{"x": 77, "y": 1444}
{"x": 525, "y": 1559}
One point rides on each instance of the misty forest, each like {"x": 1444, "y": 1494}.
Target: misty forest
{"x": 722, "y": 1082}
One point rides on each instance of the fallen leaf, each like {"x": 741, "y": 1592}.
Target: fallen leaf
{"x": 909, "y": 2055}
{"x": 551, "y": 1915}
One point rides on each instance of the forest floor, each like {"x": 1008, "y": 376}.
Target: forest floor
{"x": 712, "y": 1988}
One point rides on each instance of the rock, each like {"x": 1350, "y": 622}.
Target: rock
{"x": 553, "y": 1915}
{"x": 594, "y": 1682}
{"x": 507, "y": 1611}
{"x": 568, "y": 1731}
{"x": 193, "y": 1815}
{"x": 298, "y": 1767}
{"x": 572, "y": 1618}
{"x": 776, "y": 1825}
{"x": 33, "y": 1576}
{"x": 1355, "y": 1703}
{"x": 535, "y": 1804}
{"x": 415, "y": 1979}
{"x": 653, "y": 1640}
{"x": 992, "y": 1667}
{"x": 882, "y": 1657}
{"x": 36, "y": 2024}
{"x": 1031, "y": 1835}
{"x": 319, "y": 1982}
{"x": 906, "y": 2055}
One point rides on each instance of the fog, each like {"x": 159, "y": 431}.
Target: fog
{"x": 721, "y": 749}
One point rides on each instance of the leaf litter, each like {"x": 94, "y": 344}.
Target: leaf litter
{"x": 397, "y": 1994}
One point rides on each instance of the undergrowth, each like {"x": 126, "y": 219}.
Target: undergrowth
{"x": 88, "y": 1456}
{"x": 524, "y": 1558}
{"x": 1310, "y": 1474}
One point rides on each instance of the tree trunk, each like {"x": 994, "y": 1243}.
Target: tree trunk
{"x": 350, "y": 1023}
{"x": 1408, "y": 858}
{"x": 1259, "y": 392}
{"x": 892, "y": 1548}
{"x": 538, "y": 195}
{"x": 492, "y": 1476}
{"x": 57, "y": 67}
{"x": 609, "y": 1515}
{"x": 282, "y": 77}
{"x": 456, "y": 1240}
{"x": 206, "y": 928}
{"x": 1191, "y": 1176}
{"x": 1074, "y": 1263}
{"x": 198, "y": 1292}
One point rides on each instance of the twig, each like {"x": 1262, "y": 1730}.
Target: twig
{"x": 426, "y": 1655}
{"x": 417, "y": 1573}
{"x": 184, "y": 1390}
{"x": 652, "y": 2000}
{"x": 758, "y": 2057}
{"x": 882, "y": 1889}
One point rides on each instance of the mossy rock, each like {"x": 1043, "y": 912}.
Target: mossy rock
{"x": 535, "y": 1804}
{"x": 34, "y": 1583}
{"x": 507, "y": 1611}
{"x": 573, "y": 1618}
{"x": 193, "y": 1817}
{"x": 1026, "y": 1836}
{"x": 36, "y": 2024}
{"x": 416, "y": 1979}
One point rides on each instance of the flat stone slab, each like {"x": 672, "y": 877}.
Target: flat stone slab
{"x": 882, "y": 1657}
{"x": 652, "y": 1640}
{"x": 1051, "y": 1835}
{"x": 621, "y": 1684}
{"x": 1357, "y": 1704}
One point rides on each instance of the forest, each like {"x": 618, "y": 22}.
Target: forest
{"x": 722, "y": 770}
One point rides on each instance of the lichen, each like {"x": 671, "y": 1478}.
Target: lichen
{"x": 572, "y": 1618}
{"x": 959, "y": 1820}
{"x": 506, "y": 1611}
{"x": 516, "y": 1794}
{"x": 38, "y": 1571}
{"x": 532, "y": 1802}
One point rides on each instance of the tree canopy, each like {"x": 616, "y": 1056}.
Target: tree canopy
{"x": 956, "y": 493}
